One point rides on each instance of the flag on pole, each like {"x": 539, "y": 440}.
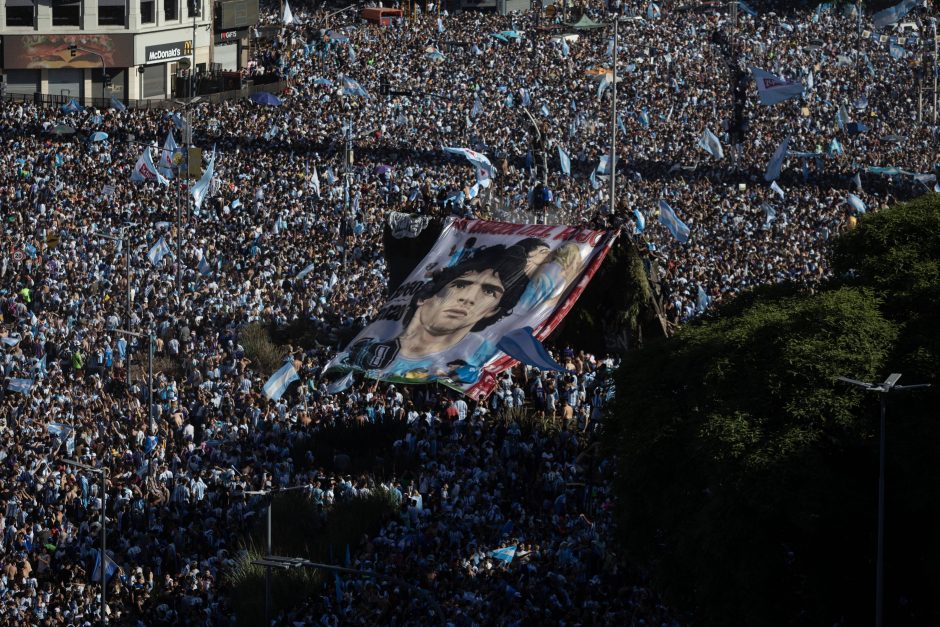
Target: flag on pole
{"x": 351, "y": 87}
{"x": 158, "y": 251}
{"x": 777, "y": 189}
{"x": 893, "y": 14}
{"x": 709, "y": 141}
{"x": 315, "y": 181}
{"x": 170, "y": 148}
{"x": 110, "y": 567}
{"x": 565, "y": 161}
{"x": 653, "y": 11}
{"x": 117, "y": 104}
{"x": 343, "y": 383}
{"x": 857, "y": 180}
{"x": 772, "y": 89}
{"x": 478, "y": 160}
{"x": 280, "y": 381}
{"x": 856, "y": 203}
{"x": 288, "y": 16}
{"x": 668, "y": 218}
{"x": 702, "y": 301}
{"x": 144, "y": 170}
{"x": 776, "y": 161}
{"x": 201, "y": 188}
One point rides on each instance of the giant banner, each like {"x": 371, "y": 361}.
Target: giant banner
{"x": 52, "y": 51}
{"x": 483, "y": 284}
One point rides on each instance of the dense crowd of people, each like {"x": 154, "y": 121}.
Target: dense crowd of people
{"x": 289, "y": 234}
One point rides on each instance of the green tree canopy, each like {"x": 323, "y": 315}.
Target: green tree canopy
{"x": 748, "y": 475}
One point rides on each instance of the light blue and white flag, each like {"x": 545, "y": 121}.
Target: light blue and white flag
{"x": 610, "y": 47}
{"x": 20, "y": 385}
{"x": 835, "y": 148}
{"x": 842, "y": 117}
{"x": 595, "y": 184}
{"x": 897, "y": 52}
{"x": 709, "y": 141}
{"x": 9, "y": 341}
{"x": 524, "y": 98}
{"x": 772, "y": 89}
{"x": 170, "y": 148}
{"x": 891, "y": 15}
{"x": 640, "y": 221}
{"x": 117, "y": 104}
{"x": 330, "y": 176}
{"x": 671, "y": 221}
{"x": 522, "y": 346}
{"x": 440, "y": 25}
{"x": 504, "y": 554}
{"x": 602, "y": 86}
{"x": 621, "y": 125}
{"x": 857, "y": 181}
{"x": 565, "y": 161}
{"x": 315, "y": 181}
{"x": 777, "y": 189}
{"x": 747, "y": 8}
{"x": 856, "y": 203}
{"x": 59, "y": 429}
{"x": 776, "y": 161}
{"x": 201, "y": 188}
{"x": 110, "y": 567}
{"x": 644, "y": 118}
{"x": 546, "y": 112}
{"x": 565, "y": 50}
{"x": 702, "y": 301}
{"x": 337, "y": 386}
{"x": 307, "y": 270}
{"x": 478, "y": 160}
{"x": 352, "y": 87}
{"x": 477, "y": 107}
{"x": 280, "y": 381}
{"x": 203, "y": 267}
{"x": 352, "y": 54}
{"x": 653, "y": 11}
{"x": 158, "y": 251}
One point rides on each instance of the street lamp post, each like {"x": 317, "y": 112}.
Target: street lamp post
{"x": 103, "y": 472}
{"x": 883, "y": 389}
{"x": 270, "y": 492}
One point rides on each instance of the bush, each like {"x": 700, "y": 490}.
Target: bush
{"x": 265, "y": 355}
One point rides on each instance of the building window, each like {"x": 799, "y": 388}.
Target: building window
{"x": 171, "y": 10}
{"x": 194, "y": 7}
{"x": 111, "y": 12}
{"x": 146, "y": 12}
{"x": 66, "y": 13}
{"x": 19, "y": 12}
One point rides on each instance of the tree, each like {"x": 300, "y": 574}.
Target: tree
{"x": 748, "y": 476}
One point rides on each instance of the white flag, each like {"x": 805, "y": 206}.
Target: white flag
{"x": 711, "y": 144}
{"x": 777, "y": 189}
{"x": 144, "y": 170}
{"x": 776, "y": 161}
{"x": 288, "y": 17}
{"x": 316, "y": 181}
{"x": 201, "y": 188}
{"x": 772, "y": 89}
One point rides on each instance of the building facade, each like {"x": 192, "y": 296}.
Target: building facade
{"x": 132, "y": 49}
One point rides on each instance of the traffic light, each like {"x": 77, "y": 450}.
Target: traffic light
{"x": 73, "y": 50}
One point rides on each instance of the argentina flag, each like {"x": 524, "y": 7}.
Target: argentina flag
{"x": 280, "y": 381}
{"x": 522, "y": 346}
{"x": 776, "y": 161}
{"x": 158, "y": 251}
{"x": 565, "y": 161}
{"x": 668, "y": 218}
{"x": 23, "y": 386}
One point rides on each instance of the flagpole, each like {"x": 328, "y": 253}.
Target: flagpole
{"x": 613, "y": 125}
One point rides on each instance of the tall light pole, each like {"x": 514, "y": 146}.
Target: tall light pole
{"x": 103, "y": 472}
{"x": 270, "y": 492}
{"x": 613, "y": 124}
{"x": 883, "y": 389}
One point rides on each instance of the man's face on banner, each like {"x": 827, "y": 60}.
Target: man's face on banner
{"x": 462, "y": 303}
